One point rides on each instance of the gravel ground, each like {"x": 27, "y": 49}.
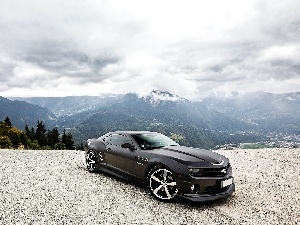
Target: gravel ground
{"x": 53, "y": 187}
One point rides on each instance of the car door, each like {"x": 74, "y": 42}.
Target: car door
{"x": 121, "y": 160}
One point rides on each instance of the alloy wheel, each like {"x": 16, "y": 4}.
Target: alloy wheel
{"x": 162, "y": 184}
{"x": 91, "y": 161}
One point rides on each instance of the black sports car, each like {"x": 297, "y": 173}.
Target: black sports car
{"x": 166, "y": 168}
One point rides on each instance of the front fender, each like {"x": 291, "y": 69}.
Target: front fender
{"x": 173, "y": 165}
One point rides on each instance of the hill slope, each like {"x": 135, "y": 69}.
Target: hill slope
{"x": 21, "y": 113}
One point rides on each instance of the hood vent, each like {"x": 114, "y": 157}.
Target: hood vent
{"x": 219, "y": 163}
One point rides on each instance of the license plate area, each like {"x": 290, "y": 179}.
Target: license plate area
{"x": 225, "y": 183}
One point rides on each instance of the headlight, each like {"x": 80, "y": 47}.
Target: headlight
{"x": 195, "y": 172}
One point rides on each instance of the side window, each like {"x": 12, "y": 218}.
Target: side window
{"x": 118, "y": 139}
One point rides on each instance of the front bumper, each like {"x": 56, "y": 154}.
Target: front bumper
{"x": 201, "y": 189}
{"x": 209, "y": 197}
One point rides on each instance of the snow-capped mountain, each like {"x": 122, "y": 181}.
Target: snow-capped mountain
{"x": 157, "y": 97}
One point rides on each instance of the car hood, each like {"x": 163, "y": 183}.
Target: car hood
{"x": 192, "y": 154}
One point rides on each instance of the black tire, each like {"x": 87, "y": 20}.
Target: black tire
{"x": 91, "y": 160}
{"x": 162, "y": 184}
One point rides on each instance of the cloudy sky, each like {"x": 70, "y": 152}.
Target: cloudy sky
{"x": 191, "y": 48}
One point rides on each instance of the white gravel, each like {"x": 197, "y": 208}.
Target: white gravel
{"x": 53, "y": 187}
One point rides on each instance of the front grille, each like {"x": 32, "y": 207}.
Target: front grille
{"x": 211, "y": 172}
{"x": 215, "y": 172}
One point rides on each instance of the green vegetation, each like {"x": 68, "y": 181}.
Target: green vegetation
{"x": 41, "y": 138}
{"x": 177, "y": 137}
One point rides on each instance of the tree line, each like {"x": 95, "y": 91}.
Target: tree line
{"x": 30, "y": 138}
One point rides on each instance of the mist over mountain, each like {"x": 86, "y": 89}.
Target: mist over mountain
{"x": 70, "y": 105}
{"x": 214, "y": 120}
{"x": 265, "y": 112}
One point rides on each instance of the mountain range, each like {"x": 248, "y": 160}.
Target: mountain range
{"x": 214, "y": 120}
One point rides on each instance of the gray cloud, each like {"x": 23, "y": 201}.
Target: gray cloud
{"x": 6, "y": 70}
{"x": 69, "y": 62}
{"x": 192, "y": 49}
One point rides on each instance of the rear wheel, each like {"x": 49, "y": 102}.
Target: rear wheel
{"x": 91, "y": 161}
{"x": 162, "y": 184}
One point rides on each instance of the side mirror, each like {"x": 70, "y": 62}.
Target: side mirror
{"x": 127, "y": 145}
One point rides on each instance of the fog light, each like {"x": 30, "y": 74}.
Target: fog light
{"x": 195, "y": 188}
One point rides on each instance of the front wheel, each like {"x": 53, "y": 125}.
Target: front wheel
{"x": 91, "y": 161}
{"x": 162, "y": 184}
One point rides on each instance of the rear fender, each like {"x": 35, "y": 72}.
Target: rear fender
{"x": 94, "y": 144}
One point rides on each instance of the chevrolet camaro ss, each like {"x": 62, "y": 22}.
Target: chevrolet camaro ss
{"x": 167, "y": 169}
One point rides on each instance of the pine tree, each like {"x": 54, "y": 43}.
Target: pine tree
{"x": 7, "y": 122}
{"x": 30, "y": 133}
{"x": 40, "y": 134}
{"x": 70, "y": 143}
{"x": 67, "y": 140}
{"x": 27, "y": 130}
{"x": 53, "y": 137}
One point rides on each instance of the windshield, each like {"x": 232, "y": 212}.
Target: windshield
{"x": 153, "y": 140}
